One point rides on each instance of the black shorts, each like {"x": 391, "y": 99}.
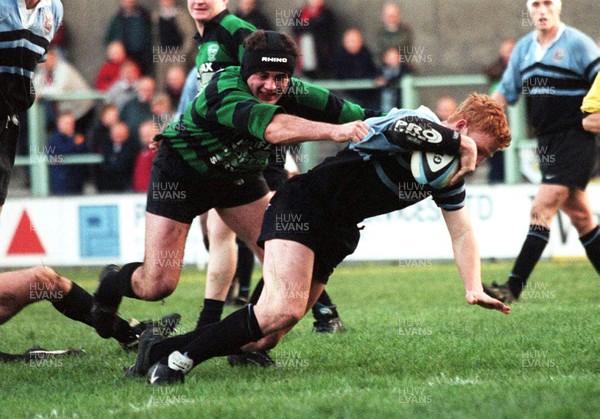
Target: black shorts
{"x": 275, "y": 177}
{"x": 567, "y": 157}
{"x": 9, "y": 134}
{"x": 181, "y": 198}
{"x": 296, "y": 214}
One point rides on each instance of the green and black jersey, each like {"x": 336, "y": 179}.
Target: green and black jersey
{"x": 221, "y": 45}
{"x": 222, "y": 132}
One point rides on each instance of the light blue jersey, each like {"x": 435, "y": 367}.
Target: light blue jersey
{"x": 555, "y": 84}
{"x": 376, "y": 141}
{"x": 24, "y": 39}
{"x": 189, "y": 92}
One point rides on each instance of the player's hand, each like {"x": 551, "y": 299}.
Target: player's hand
{"x": 468, "y": 158}
{"x": 352, "y": 131}
{"x": 483, "y": 300}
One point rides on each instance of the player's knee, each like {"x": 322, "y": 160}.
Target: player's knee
{"x": 156, "y": 284}
{"x": 47, "y": 279}
{"x": 291, "y": 317}
{"x": 159, "y": 290}
{"x": 269, "y": 342}
{"x": 278, "y": 318}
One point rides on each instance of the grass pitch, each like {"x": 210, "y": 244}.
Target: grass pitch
{"x": 413, "y": 348}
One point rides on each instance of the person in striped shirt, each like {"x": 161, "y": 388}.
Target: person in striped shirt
{"x": 310, "y": 226}
{"x": 213, "y": 157}
{"x": 220, "y": 44}
{"x": 553, "y": 68}
{"x": 26, "y": 29}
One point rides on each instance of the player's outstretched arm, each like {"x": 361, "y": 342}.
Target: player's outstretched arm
{"x": 466, "y": 256}
{"x": 289, "y": 129}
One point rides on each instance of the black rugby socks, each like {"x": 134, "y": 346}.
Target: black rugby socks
{"x": 211, "y": 312}
{"x": 591, "y": 243}
{"x": 244, "y": 268}
{"x": 531, "y": 252}
{"x": 77, "y": 305}
{"x": 219, "y": 339}
{"x": 117, "y": 285}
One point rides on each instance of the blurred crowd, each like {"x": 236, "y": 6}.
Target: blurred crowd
{"x": 148, "y": 57}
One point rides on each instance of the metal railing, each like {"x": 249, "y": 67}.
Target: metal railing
{"x": 37, "y": 138}
{"x": 410, "y": 99}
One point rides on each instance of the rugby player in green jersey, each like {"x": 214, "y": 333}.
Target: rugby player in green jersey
{"x": 213, "y": 157}
{"x": 220, "y": 44}
{"x": 328, "y": 202}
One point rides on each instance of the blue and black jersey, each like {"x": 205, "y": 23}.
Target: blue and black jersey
{"x": 389, "y": 147}
{"x": 24, "y": 39}
{"x": 373, "y": 177}
{"x": 554, "y": 86}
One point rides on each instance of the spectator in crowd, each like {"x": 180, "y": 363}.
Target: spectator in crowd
{"x": 123, "y": 90}
{"x": 61, "y": 40}
{"x": 444, "y": 107}
{"x": 139, "y": 108}
{"x": 494, "y": 74}
{"x": 495, "y": 70}
{"x": 174, "y": 32}
{"x": 392, "y": 70}
{"x": 143, "y": 161}
{"x": 132, "y": 26}
{"x": 98, "y": 136}
{"x": 114, "y": 173}
{"x": 56, "y": 75}
{"x": 162, "y": 110}
{"x": 315, "y": 34}
{"x": 250, "y": 12}
{"x": 110, "y": 71}
{"x": 65, "y": 179}
{"x": 175, "y": 80}
{"x": 394, "y": 34}
{"x": 354, "y": 61}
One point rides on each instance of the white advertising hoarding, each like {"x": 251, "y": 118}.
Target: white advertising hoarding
{"x": 95, "y": 230}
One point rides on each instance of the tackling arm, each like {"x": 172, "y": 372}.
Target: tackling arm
{"x": 289, "y": 129}
{"x": 466, "y": 256}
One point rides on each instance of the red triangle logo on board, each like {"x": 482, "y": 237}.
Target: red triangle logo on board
{"x": 25, "y": 241}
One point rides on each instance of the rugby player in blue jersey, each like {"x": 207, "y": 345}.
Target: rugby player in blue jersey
{"x": 362, "y": 181}
{"x": 553, "y": 67}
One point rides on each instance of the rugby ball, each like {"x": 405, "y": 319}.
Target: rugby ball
{"x": 433, "y": 169}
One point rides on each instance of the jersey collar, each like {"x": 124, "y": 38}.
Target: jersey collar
{"x": 539, "y": 50}
{"x": 26, "y": 18}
